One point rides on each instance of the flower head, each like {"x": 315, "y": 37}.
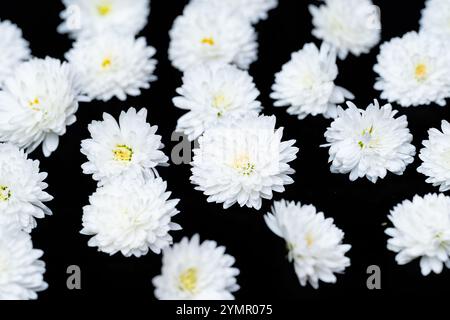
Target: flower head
{"x": 314, "y": 242}
{"x": 127, "y": 147}
{"x": 369, "y": 142}
{"x": 112, "y": 64}
{"x": 421, "y": 229}
{"x": 196, "y": 271}
{"x": 435, "y": 18}
{"x": 212, "y": 93}
{"x": 130, "y": 216}
{"x": 243, "y": 160}
{"x": 37, "y": 104}
{"x": 413, "y": 70}
{"x": 306, "y": 83}
{"x": 348, "y": 25}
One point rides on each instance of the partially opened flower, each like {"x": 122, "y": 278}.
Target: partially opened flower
{"x": 413, "y": 70}
{"x": 435, "y": 18}
{"x": 37, "y": 104}
{"x": 22, "y": 186}
{"x": 212, "y": 93}
{"x": 243, "y": 160}
{"x": 421, "y": 229}
{"x": 22, "y": 273}
{"x": 369, "y": 142}
{"x": 13, "y": 49}
{"x": 314, "y": 242}
{"x": 196, "y": 271}
{"x": 306, "y": 83}
{"x": 348, "y": 25}
{"x": 436, "y": 157}
{"x": 128, "y": 147}
{"x": 112, "y": 65}
{"x": 130, "y": 216}
{"x": 211, "y": 33}
{"x": 87, "y": 18}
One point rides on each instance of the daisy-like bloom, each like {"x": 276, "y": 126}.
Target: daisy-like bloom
{"x": 314, "y": 242}
{"x": 413, "y": 70}
{"x": 130, "y": 216}
{"x": 112, "y": 64}
{"x": 127, "y": 147}
{"x": 369, "y": 142}
{"x": 348, "y": 25}
{"x": 37, "y": 104}
{"x": 87, "y": 18}
{"x": 435, "y": 18}
{"x": 22, "y": 186}
{"x": 13, "y": 49}
{"x": 436, "y": 157}
{"x": 243, "y": 160}
{"x": 211, "y": 32}
{"x": 421, "y": 229}
{"x": 196, "y": 271}
{"x": 211, "y": 93}
{"x": 21, "y": 271}
{"x": 253, "y": 10}
{"x": 306, "y": 83}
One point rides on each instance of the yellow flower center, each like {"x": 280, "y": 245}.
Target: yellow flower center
{"x": 366, "y": 139}
{"x": 208, "y": 40}
{"x": 243, "y": 165}
{"x": 220, "y": 102}
{"x": 188, "y": 280}
{"x": 123, "y": 153}
{"x": 5, "y": 193}
{"x": 421, "y": 71}
{"x": 33, "y": 104}
{"x": 104, "y": 9}
{"x": 106, "y": 63}
{"x": 309, "y": 239}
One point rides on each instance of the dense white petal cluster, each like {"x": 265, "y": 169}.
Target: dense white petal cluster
{"x": 211, "y": 32}
{"x": 130, "y": 216}
{"x": 196, "y": 271}
{"x": 348, "y": 25}
{"x": 212, "y": 93}
{"x": 22, "y": 186}
{"x": 37, "y": 104}
{"x": 436, "y": 157}
{"x": 314, "y": 242}
{"x": 413, "y": 70}
{"x": 112, "y": 65}
{"x": 13, "y": 49}
{"x": 243, "y": 160}
{"x": 306, "y": 83}
{"x": 421, "y": 229}
{"x": 369, "y": 142}
{"x": 129, "y": 147}
{"x": 87, "y": 18}
{"x": 435, "y": 18}
{"x": 21, "y": 271}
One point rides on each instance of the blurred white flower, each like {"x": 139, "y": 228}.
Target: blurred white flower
{"x": 306, "y": 83}
{"x": 421, "y": 229}
{"x": 369, "y": 142}
{"x": 314, "y": 243}
{"x": 211, "y": 93}
{"x": 196, "y": 271}
{"x": 435, "y": 18}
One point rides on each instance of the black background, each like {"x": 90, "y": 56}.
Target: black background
{"x": 360, "y": 208}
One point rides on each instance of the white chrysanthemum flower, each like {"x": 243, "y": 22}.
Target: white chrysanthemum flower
{"x": 413, "y": 70}
{"x": 435, "y": 18}
{"x": 348, "y": 25}
{"x": 243, "y": 160}
{"x": 22, "y": 186}
{"x": 112, "y": 64}
{"x": 211, "y": 33}
{"x": 422, "y": 230}
{"x": 436, "y": 157}
{"x": 211, "y": 93}
{"x": 37, "y": 104}
{"x": 196, "y": 271}
{"x": 128, "y": 147}
{"x": 13, "y": 49}
{"x": 87, "y": 18}
{"x": 253, "y": 10}
{"x": 21, "y": 271}
{"x": 306, "y": 83}
{"x": 130, "y": 216}
{"x": 314, "y": 242}
{"x": 369, "y": 142}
